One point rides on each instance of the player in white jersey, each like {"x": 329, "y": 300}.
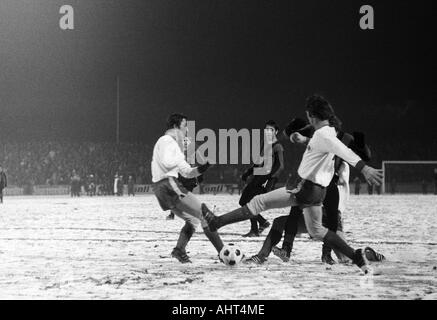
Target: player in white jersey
{"x": 333, "y": 205}
{"x": 315, "y": 171}
{"x": 167, "y": 163}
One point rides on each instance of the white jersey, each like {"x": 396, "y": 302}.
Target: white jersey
{"x": 169, "y": 160}
{"x": 317, "y": 163}
{"x": 343, "y": 186}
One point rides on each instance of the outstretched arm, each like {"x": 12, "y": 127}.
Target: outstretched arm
{"x": 334, "y": 145}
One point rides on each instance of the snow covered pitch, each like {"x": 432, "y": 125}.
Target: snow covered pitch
{"x": 119, "y": 248}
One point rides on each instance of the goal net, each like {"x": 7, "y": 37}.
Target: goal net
{"x": 409, "y": 177}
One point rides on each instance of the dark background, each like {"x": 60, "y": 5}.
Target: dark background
{"x": 223, "y": 63}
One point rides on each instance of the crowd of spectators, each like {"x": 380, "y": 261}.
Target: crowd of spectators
{"x": 55, "y": 163}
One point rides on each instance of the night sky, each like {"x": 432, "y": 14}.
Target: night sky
{"x": 226, "y": 64}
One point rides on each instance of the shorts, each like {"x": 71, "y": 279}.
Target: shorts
{"x": 169, "y": 192}
{"x": 308, "y": 194}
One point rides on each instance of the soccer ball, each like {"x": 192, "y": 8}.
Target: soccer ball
{"x": 231, "y": 254}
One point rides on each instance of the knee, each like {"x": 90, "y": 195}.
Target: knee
{"x": 317, "y": 231}
{"x": 191, "y": 225}
{"x": 256, "y": 205}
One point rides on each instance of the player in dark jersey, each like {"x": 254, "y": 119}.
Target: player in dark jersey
{"x": 263, "y": 183}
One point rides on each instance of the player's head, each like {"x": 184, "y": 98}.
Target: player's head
{"x": 319, "y": 109}
{"x": 271, "y": 130}
{"x": 177, "y": 128}
{"x": 177, "y": 121}
{"x": 271, "y": 125}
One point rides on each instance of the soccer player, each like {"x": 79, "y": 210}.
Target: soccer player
{"x": 168, "y": 162}
{"x": 315, "y": 173}
{"x": 263, "y": 183}
{"x": 3, "y": 182}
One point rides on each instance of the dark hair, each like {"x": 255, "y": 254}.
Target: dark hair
{"x": 320, "y": 108}
{"x": 273, "y": 124}
{"x": 175, "y": 120}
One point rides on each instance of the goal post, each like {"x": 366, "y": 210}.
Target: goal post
{"x": 409, "y": 176}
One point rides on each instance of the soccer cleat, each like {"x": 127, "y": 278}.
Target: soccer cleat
{"x": 257, "y": 259}
{"x": 282, "y": 254}
{"x": 361, "y": 261}
{"x": 251, "y": 234}
{"x": 210, "y": 217}
{"x": 180, "y": 255}
{"x": 327, "y": 258}
{"x": 264, "y": 226}
{"x": 372, "y": 255}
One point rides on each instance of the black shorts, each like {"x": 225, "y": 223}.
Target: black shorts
{"x": 169, "y": 192}
{"x": 308, "y": 194}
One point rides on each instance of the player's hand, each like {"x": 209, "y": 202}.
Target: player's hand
{"x": 296, "y": 137}
{"x": 202, "y": 168}
{"x": 372, "y": 176}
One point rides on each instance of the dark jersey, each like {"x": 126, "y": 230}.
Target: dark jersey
{"x": 277, "y": 163}
{"x": 278, "y": 152}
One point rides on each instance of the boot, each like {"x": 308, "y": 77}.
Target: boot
{"x": 326, "y": 255}
{"x": 216, "y": 222}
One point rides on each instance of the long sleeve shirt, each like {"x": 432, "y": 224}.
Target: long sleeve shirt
{"x": 317, "y": 163}
{"x": 168, "y": 160}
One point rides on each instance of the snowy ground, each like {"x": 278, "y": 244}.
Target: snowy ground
{"x": 119, "y": 248}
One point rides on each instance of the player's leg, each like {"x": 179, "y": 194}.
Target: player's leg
{"x": 271, "y": 240}
{"x": 330, "y": 218}
{"x": 253, "y": 188}
{"x": 263, "y": 223}
{"x": 254, "y": 231}
{"x": 313, "y": 222}
{"x": 293, "y": 225}
{"x": 341, "y": 257}
{"x": 1, "y": 195}
{"x": 191, "y": 205}
{"x": 278, "y": 198}
{"x": 172, "y": 195}
{"x": 185, "y": 235}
